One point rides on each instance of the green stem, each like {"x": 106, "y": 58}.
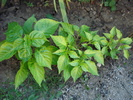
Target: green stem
{"x": 63, "y": 11}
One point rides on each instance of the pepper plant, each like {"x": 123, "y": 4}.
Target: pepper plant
{"x": 72, "y": 49}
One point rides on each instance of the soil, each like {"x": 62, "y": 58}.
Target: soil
{"x": 116, "y": 77}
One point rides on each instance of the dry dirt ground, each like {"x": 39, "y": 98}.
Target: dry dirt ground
{"x": 116, "y": 77}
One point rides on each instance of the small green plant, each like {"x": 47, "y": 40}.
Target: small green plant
{"x": 72, "y": 49}
{"x": 29, "y": 4}
{"x": 3, "y": 2}
{"x": 107, "y": 3}
{"x": 111, "y": 4}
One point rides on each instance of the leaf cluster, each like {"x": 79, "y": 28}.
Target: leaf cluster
{"x": 74, "y": 50}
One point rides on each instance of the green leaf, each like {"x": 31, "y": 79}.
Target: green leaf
{"x": 89, "y": 36}
{"x": 48, "y": 26}
{"x": 70, "y": 39}
{"x": 76, "y": 28}
{"x": 90, "y": 52}
{"x": 18, "y": 44}
{"x": 61, "y": 32}
{"x": 59, "y": 52}
{"x": 113, "y": 8}
{"x": 21, "y": 75}
{"x": 68, "y": 28}
{"x": 92, "y": 67}
{"x": 84, "y": 29}
{"x": 113, "y": 31}
{"x": 14, "y": 31}
{"x": 60, "y": 41}
{"x": 97, "y": 45}
{"x": 37, "y": 38}
{"x": 27, "y": 41}
{"x": 37, "y": 71}
{"x": 106, "y": 3}
{"x": 85, "y": 45}
{"x": 124, "y": 47}
{"x": 126, "y": 41}
{"x": 113, "y": 44}
{"x": 1, "y": 42}
{"x": 28, "y": 25}
{"x": 96, "y": 38}
{"x": 80, "y": 52}
{"x": 76, "y": 72}
{"x": 112, "y": 3}
{"x": 71, "y": 47}
{"x": 113, "y": 54}
{"x": 62, "y": 62}
{"x": 85, "y": 67}
{"x": 119, "y": 34}
{"x": 89, "y": 48}
{"x": 105, "y": 51}
{"x": 99, "y": 57}
{"x": 6, "y": 51}
{"x": 126, "y": 53}
{"x": 73, "y": 54}
{"x": 54, "y": 57}
{"x": 25, "y": 53}
{"x": 67, "y": 72}
{"x": 44, "y": 57}
{"x": 104, "y": 42}
{"x": 74, "y": 63}
{"x": 109, "y": 36}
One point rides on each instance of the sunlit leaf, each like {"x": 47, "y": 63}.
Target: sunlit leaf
{"x": 6, "y": 51}
{"x": 74, "y": 62}
{"x": 126, "y": 41}
{"x": 68, "y": 28}
{"x": 60, "y": 41}
{"x": 92, "y": 67}
{"x": 99, "y": 57}
{"x": 62, "y": 62}
{"x": 76, "y": 72}
{"x": 67, "y": 72}
{"x": 37, "y": 38}
{"x": 47, "y": 26}
{"x": 126, "y": 53}
{"x": 59, "y": 52}
{"x": 97, "y": 45}
{"x": 119, "y": 34}
{"x": 37, "y": 71}
{"x": 113, "y": 31}
{"x": 89, "y": 36}
{"x": 44, "y": 57}
{"x": 73, "y": 54}
{"x": 22, "y": 74}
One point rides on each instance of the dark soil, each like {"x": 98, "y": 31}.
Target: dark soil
{"x": 116, "y": 77}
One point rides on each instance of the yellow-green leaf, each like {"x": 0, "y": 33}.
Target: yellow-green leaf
{"x": 44, "y": 57}
{"x": 37, "y": 71}
{"x": 60, "y": 41}
{"x": 76, "y": 72}
{"x": 126, "y": 53}
{"x": 62, "y": 62}
{"x": 21, "y": 75}
{"x": 6, "y": 51}
{"x": 92, "y": 67}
